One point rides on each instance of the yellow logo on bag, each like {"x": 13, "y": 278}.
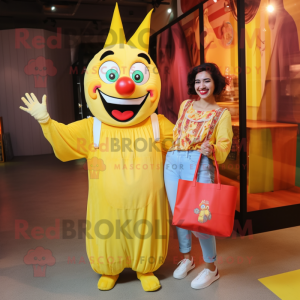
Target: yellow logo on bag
{"x": 204, "y": 213}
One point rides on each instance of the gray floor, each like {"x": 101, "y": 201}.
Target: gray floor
{"x": 41, "y": 189}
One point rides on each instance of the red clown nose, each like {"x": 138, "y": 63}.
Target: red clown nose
{"x": 125, "y": 86}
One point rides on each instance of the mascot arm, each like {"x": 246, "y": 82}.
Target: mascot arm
{"x": 166, "y": 133}
{"x": 68, "y": 141}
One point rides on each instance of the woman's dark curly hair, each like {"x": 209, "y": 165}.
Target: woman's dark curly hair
{"x": 214, "y": 71}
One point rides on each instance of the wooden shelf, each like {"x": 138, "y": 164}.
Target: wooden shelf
{"x": 266, "y": 200}
{"x": 252, "y": 124}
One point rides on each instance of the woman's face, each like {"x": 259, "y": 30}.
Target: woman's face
{"x": 204, "y": 85}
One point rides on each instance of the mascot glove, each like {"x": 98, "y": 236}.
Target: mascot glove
{"x": 35, "y": 108}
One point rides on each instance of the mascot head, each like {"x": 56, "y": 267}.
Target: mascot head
{"x": 122, "y": 84}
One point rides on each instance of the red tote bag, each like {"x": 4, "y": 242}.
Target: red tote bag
{"x": 205, "y": 207}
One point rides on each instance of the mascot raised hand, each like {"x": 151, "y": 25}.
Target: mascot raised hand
{"x": 124, "y": 144}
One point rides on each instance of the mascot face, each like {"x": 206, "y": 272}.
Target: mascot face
{"x": 122, "y": 84}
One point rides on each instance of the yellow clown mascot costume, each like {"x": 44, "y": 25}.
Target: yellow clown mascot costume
{"x": 124, "y": 145}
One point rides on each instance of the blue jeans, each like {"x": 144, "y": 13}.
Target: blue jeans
{"x": 182, "y": 165}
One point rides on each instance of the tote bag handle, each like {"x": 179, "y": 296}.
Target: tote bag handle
{"x": 197, "y": 168}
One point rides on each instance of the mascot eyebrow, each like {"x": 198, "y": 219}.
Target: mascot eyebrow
{"x": 106, "y": 53}
{"x": 145, "y": 56}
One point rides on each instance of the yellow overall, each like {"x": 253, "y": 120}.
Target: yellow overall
{"x": 127, "y": 213}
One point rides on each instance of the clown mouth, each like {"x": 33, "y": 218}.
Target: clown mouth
{"x": 120, "y": 109}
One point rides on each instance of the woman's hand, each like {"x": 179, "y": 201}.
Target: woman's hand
{"x": 206, "y": 148}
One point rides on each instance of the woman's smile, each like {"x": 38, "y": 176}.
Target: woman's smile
{"x": 203, "y": 91}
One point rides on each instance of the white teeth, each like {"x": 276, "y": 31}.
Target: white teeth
{"x": 128, "y": 101}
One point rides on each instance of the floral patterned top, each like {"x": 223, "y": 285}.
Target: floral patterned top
{"x": 193, "y": 127}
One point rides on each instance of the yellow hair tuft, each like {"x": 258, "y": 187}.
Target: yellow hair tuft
{"x": 116, "y": 33}
{"x": 140, "y": 39}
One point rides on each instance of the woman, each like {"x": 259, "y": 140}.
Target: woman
{"x": 189, "y": 140}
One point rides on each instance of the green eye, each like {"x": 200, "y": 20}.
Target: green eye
{"x": 112, "y": 75}
{"x": 138, "y": 76}
{"x": 139, "y": 73}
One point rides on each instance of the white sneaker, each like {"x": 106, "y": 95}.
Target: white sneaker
{"x": 185, "y": 266}
{"x": 205, "y": 278}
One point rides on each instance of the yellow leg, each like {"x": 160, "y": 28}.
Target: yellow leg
{"x": 107, "y": 282}
{"x": 149, "y": 281}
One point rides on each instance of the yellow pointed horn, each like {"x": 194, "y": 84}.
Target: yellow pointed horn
{"x": 140, "y": 39}
{"x": 116, "y": 32}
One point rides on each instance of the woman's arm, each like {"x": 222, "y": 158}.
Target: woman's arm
{"x": 224, "y": 135}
